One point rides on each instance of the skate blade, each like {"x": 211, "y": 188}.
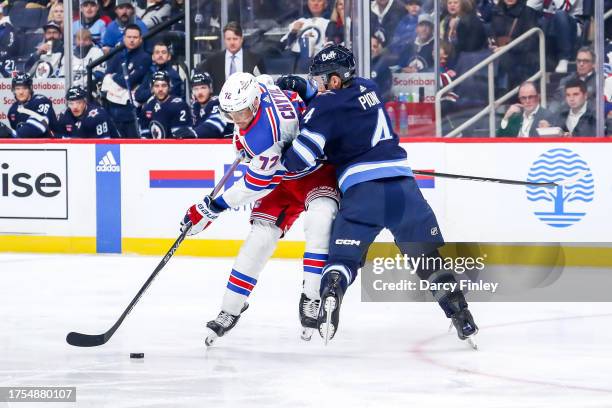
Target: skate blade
{"x": 330, "y": 306}
{"x": 211, "y": 338}
{"x": 306, "y": 333}
{"x": 472, "y": 342}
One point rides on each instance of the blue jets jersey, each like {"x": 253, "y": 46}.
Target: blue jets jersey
{"x": 209, "y": 123}
{"x": 35, "y": 118}
{"x": 350, "y": 128}
{"x": 93, "y": 123}
{"x": 161, "y": 119}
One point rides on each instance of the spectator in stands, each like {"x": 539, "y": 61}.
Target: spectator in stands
{"x": 90, "y": 20}
{"x": 335, "y": 28}
{"x": 32, "y": 115}
{"x": 161, "y": 59}
{"x": 381, "y": 74}
{"x": 37, "y": 4}
{"x": 157, "y": 11}
{"x": 385, "y": 15}
{"x": 577, "y": 118}
{"x": 522, "y": 119}
{"x": 560, "y": 25}
{"x": 405, "y": 32}
{"x": 136, "y": 62}
{"x": 462, "y": 28}
{"x": 585, "y": 71}
{"x": 9, "y": 47}
{"x": 56, "y": 14}
{"x": 306, "y": 35}
{"x": 163, "y": 116}
{"x": 447, "y": 75}
{"x": 84, "y": 52}
{"x": 125, "y": 17}
{"x": 511, "y": 19}
{"x": 233, "y": 59}
{"x": 418, "y": 56}
{"x": 177, "y": 7}
{"x": 46, "y": 61}
{"x": 107, "y": 11}
{"x": 84, "y": 120}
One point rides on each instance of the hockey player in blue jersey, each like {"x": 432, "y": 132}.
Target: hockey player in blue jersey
{"x": 31, "y": 116}
{"x": 83, "y": 119}
{"x": 208, "y": 121}
{"x": 164, "y": 115}
{"x": 347, "y": 124}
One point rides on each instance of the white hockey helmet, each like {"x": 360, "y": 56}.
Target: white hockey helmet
{"x": 239, "y": 93}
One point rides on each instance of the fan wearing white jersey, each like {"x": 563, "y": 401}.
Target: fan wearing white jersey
{"x": 266, "y": 118}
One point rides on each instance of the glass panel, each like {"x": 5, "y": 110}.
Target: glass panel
{"x": 286, "y": 33}
{"x": 605, "y": 52}
{"x": 572, "y": 62}
{"x": 205, "y": 29}
{"x": 402, "y": 63}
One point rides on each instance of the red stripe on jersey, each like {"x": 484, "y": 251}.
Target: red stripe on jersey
{"x": 257, "y": 182}
{"x": 273, "y": 124}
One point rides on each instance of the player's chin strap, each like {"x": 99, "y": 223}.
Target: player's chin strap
{"x": 550, "y": 184}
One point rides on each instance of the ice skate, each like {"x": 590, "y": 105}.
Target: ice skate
{"x": 309, "y": 311}
{"x": 221, "y": 325}
{"x": 466, "y": 328}
{"x": 331, "y": 298}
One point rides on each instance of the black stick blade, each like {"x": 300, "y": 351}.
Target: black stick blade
{"x": 85, "y": 340}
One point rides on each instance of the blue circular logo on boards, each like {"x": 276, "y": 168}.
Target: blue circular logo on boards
{"x": 565, "y": 204}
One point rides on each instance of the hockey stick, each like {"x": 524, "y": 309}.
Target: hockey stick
{"x": 551, "y": 184}
{"x": 126, "y": 77}
{"x": 92, "y": 340}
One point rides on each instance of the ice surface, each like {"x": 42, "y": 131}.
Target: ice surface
{"x": 385, "y": 355}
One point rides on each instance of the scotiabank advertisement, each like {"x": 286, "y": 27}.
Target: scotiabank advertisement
{"x": 52, "y": 88}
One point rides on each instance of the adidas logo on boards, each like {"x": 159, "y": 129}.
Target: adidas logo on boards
{"x": 108, "y": 164}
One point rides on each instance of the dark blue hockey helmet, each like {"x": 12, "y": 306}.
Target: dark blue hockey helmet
{"x": 201, "y": 78}
{"x": 160, "y": 76}
{"x": 21, "y": 79}
{"x": 333, "y": 59}
{"x": 75, "y": 93}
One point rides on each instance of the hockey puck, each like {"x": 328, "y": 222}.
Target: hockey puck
{"x": 136, "y": 355}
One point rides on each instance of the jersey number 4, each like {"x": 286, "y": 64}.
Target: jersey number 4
{"x": 382, "y": 131}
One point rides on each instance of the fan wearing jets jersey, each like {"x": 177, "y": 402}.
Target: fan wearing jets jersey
{"x": 164, "y": 116}
{"x": 377, "y": 184}
{"x": 83, "y": 119}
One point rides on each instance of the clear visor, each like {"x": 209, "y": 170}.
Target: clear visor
{"x": 319, "y": 80}
{"x": 243, "y": 115}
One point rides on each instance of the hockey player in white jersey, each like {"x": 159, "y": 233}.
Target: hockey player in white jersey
{"x": 267, "y": 117}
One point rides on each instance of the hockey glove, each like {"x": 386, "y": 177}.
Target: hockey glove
{"x": 306, "y": 89}
{"x": 201, "y": 215}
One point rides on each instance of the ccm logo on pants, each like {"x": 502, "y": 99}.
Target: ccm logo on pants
{"x": 347, "y": 242}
